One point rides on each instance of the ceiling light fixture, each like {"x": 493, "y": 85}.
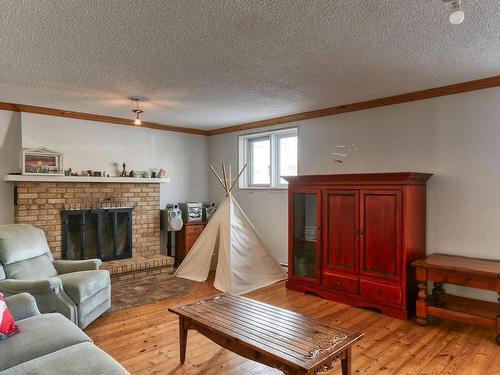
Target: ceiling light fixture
{"x": 136, "y": 110}
{"x": 457, "y": 15}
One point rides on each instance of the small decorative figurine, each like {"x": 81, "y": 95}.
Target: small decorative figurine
{"x": 131, "y": 174}
{"x": 124, "y": 172}
{"x": 161, "y": 173}
{"x": 67, "y": 172}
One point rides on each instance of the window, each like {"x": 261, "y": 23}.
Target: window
{"x": 268, "y": 156}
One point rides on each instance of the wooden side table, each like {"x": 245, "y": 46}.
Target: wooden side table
{"x": 463, "y": 271}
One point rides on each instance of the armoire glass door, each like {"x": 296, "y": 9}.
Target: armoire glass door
{"x": 305, "y": 234}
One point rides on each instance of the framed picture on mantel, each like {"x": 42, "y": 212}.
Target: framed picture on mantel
{"x": 42, "y": 161}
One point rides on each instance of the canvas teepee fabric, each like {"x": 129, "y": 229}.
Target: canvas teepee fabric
{"x": 243, "y": 261}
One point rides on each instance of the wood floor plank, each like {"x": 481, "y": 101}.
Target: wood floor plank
{"x": 145, "y": 340}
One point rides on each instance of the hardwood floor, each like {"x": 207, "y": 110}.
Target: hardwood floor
{"x": 145, "y": 340}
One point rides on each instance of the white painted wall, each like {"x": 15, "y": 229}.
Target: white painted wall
{"x": 98, "y": 146}
{"x": 10, "y": 146}
{"x": 103, "y": 147}
{"x": 455, "y": 137}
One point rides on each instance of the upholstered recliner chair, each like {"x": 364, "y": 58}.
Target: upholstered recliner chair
{"x": 77, "y": 289}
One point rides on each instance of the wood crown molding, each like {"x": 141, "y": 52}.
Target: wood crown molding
{"x": 381, "y": 102}
{"x": 99, "y": 118}
{"x": 457, "y": 88}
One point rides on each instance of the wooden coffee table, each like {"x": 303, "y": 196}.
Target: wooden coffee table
{"x": 282, "y": 339}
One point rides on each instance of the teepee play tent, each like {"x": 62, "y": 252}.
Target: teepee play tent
{"x": 243, "y": 263}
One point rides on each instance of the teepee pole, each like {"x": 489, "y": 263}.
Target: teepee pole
{"x": 225, "y": 179}
{"x": 229, "y": 176}
{"x": 217, "y": 175}
{"x": 237, "y": 178}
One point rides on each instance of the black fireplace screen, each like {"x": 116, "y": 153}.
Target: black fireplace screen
{"x": 104, "y": 233}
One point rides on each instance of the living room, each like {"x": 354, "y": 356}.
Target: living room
{"x": 201, "y": 188}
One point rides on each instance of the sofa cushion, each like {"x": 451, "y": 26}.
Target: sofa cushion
{"x": 81, "y": 359}
{"x": 84, "y": 284}
{"x": 40, "y": 335}
{"x": 36, "y": 268}
{"x": 20, "y": 242}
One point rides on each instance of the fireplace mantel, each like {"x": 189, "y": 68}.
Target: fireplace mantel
{"x": 123, "y": 180}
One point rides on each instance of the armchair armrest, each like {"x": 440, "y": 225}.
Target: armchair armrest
{"x": 22, "y": 306}
{"x": 68, "y": 266}
{"x": 14, "y": 286}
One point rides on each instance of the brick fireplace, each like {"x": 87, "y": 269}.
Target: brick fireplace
{"x": 40, "y": 201}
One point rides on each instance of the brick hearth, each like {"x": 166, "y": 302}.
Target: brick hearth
{"x": 41, "y": 203}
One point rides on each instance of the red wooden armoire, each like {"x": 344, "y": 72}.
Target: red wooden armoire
{"x": 352, "y": 237}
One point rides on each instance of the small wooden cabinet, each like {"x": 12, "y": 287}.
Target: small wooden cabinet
{"x": 185, "y": 239}
{"x": 352, "y": 237}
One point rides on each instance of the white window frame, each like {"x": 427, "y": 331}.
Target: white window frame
{"x": 245, "y": 157}
{"x": 249, "y": 159}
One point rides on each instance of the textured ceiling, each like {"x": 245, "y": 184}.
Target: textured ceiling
{"x": 208, "y": 64}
